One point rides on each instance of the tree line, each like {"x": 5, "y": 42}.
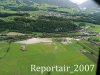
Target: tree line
{"x": 22, "y": 8}
{"x": 4, "y": 14}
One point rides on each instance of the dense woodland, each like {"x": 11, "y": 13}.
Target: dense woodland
{"x": 42, "y": 24}
{"x": 3, "y": 14}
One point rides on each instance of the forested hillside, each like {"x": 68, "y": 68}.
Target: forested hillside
{"x": 29, "y": 16}
{"x": 20, "y": 16}
{"x": 65, "y": 3}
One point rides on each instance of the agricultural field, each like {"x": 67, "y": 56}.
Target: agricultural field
{"x": 95, "y": 28}
{"x": 17, "y": 62}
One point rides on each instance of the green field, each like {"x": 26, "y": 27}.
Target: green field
{"x": 92, "y": 50}
{"x": 17, "y": 62}
{"x": 3, "y": 48}
{"x": 96, "y": 28}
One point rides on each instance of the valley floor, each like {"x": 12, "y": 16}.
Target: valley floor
{"x": 18, "y": 62}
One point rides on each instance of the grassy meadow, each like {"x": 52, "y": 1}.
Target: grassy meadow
{"x": 17, "y": 62}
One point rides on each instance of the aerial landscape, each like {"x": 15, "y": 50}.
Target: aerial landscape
{"x": 48, "y": 33}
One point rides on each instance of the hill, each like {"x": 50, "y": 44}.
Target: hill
{"x": 56, "y": 2}
{"x": 65, "y": 3}
{"x": 89, "y": 4}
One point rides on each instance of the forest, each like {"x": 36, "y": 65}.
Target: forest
{"x": 49, "y": 24}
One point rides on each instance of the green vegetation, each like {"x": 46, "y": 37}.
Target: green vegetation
{"x": 3, "y": 49}
{"x": 94, "y": 28}
{"x": 4, "y": 14}
{"x": 42, "y": 24}
{"x": 18, "y": 62}
{"x": 95, "y": 39}
{"x": 91, "y": 50}
{"x": 25, "y": 19}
